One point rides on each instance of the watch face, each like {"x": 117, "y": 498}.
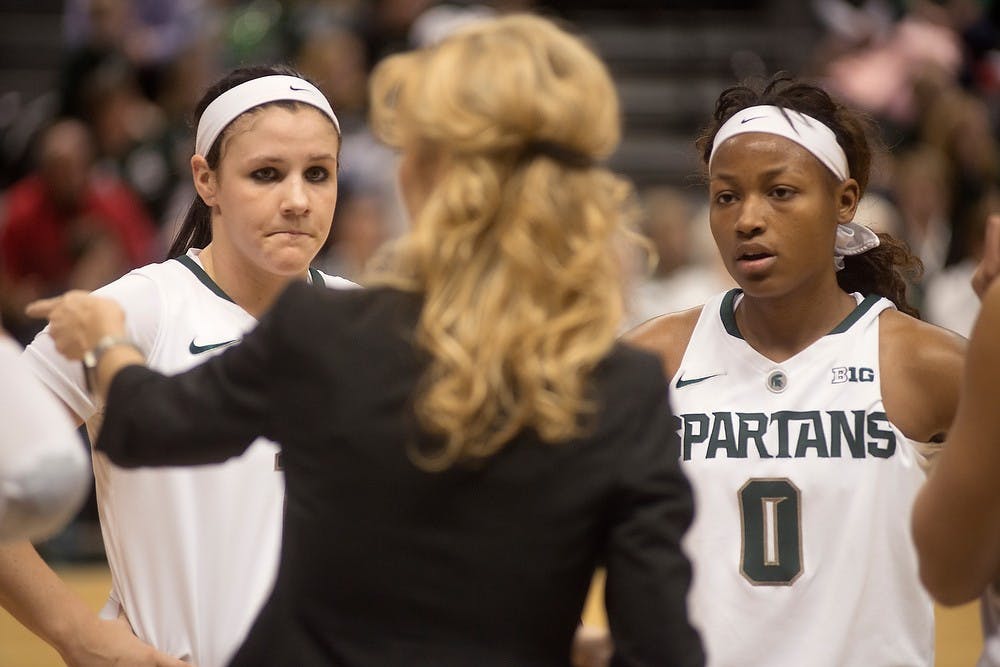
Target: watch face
{"x": 89, "y": 359}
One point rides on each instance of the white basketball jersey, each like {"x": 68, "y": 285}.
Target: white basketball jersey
{"x": 803, "y": 490}
{"x": 193, "y": 551}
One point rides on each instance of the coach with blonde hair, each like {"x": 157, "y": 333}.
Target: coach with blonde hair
{"x": 465, "y": 442}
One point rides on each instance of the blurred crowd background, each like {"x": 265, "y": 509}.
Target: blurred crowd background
{"x": 96, "y": 98}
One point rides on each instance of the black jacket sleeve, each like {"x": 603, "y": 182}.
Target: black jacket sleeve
{"x": 648, "y": 575}
{"x": 206, "y": 415}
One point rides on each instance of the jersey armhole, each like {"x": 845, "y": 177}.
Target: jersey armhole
{"x": 686, "y": 335}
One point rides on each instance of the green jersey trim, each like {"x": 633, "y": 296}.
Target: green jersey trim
{"x": 727, "y": 311}
{"x": 856, "y": 314}
{"x": 315, "y": 277}
{"x": 200, "y": 274}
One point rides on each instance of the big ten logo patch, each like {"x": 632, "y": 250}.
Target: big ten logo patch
{"x": 843, "y": 374}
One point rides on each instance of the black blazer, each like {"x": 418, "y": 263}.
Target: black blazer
{"x": 384, "y": 564}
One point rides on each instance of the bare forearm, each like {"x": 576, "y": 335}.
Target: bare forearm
{"x": 955, "y": 532}
{"x": 35, "y": 595}
{"x": 956, "y": 518}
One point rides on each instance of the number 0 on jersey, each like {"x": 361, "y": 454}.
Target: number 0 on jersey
{"x": 770, "y": 514}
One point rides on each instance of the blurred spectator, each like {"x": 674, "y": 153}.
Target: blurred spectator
{"x": 359, "y": 228}
{"x": 438, "y": 22}
{"x": 65, "y": 227}
{"x": 980, "y": 36}
{"x": 927, "y": 70}
{"x": 100, "y": 45}
{"x": 165, "y": 160}
{"x": 688, "y": 268}
{"x": 956, "y": 123}
{"x": 852, "y": 25}
{"x": 251, "y": 31}
{"x": 132, "y": 136}
{"x": 150, "y": 34}
{"x": 332, "y": 54}
{"x": 949, "y": 300}
{"x": 924, "y": 200}
{"x": 389, "y": 24}
{"x": 121, "y": 76}
{"x": 878, "y": 213}
{"x": 878, "y": 73}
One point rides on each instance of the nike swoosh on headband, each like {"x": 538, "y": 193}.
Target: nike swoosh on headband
{"x": 681, "y": 382}
{"x": 806, "y": 131}
{"x": 272, "y": 88}
{"x": 194, "y": 348}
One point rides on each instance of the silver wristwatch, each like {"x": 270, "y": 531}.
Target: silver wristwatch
{"x": 92, "y": 357}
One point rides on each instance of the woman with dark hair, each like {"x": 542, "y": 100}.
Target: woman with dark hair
{"x": 465, "y": 441}
{"x": 193, "y": 552}
{"x": 803, "y": 398}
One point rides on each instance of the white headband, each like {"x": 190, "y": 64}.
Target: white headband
{"x": 818, "y": 139}
{"x": 230, "y": 104}
{"x": 804, "y": 130}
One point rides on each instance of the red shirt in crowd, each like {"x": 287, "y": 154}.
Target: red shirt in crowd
{"x": 40, "y": 241}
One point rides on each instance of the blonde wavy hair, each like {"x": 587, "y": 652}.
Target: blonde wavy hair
{"x": 515, "y": 247}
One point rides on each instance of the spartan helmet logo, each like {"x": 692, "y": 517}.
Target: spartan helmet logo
{"x": 776, "y": 381}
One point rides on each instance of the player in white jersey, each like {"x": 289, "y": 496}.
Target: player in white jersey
{"x": 193, "y": 552}
{"x": 801, "y": 397}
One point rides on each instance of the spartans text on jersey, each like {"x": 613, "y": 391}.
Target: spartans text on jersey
{"x": 786, "y": 434}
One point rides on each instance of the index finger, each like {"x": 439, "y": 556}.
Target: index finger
{"x": 42, "y": 308}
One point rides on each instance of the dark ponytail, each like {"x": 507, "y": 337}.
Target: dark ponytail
{"x": 886, "y": 271}
{"x": 196, "y": 230}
